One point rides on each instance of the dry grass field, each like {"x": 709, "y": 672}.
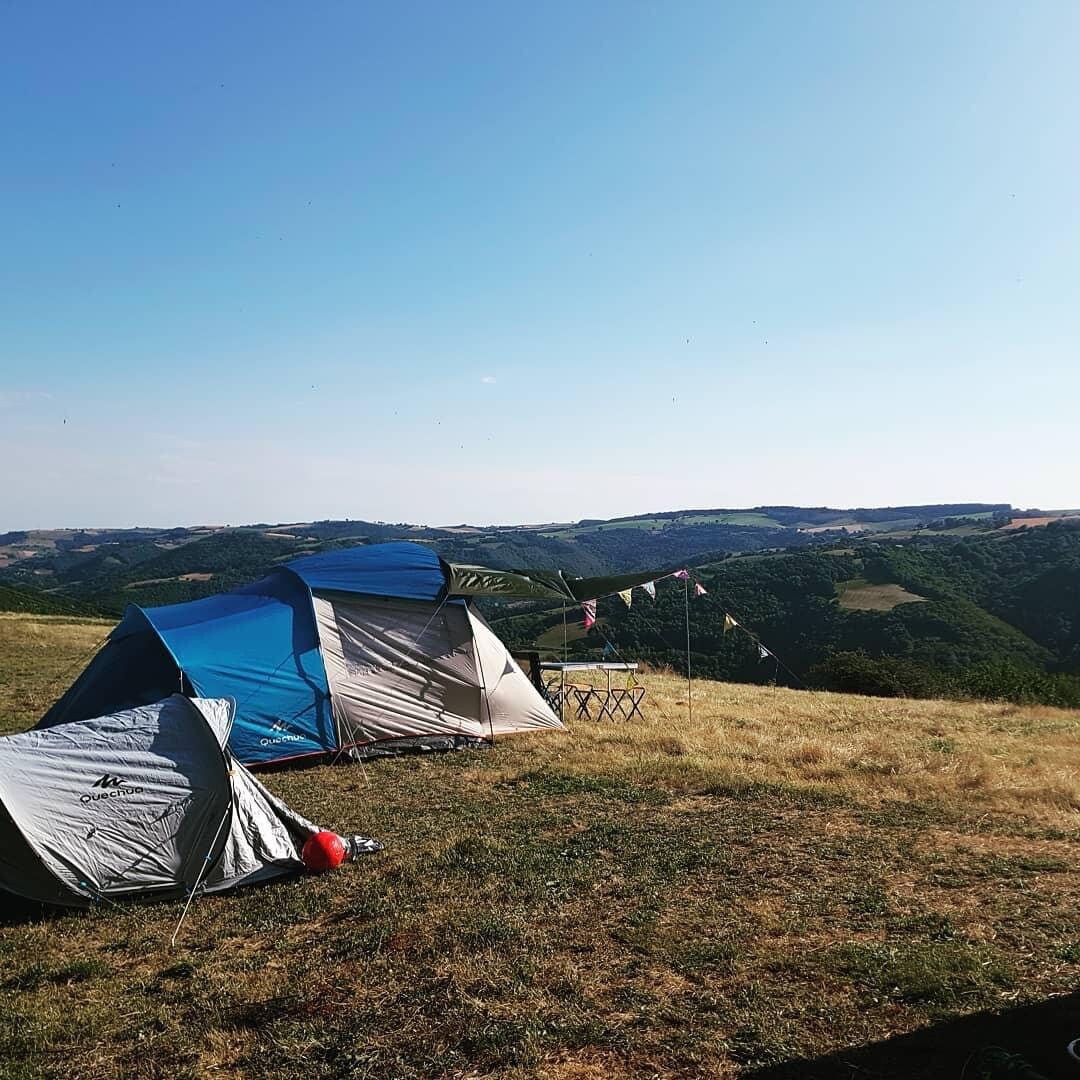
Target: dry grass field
{"x": 791, "y": 885}
{"x": 861, "y": 595}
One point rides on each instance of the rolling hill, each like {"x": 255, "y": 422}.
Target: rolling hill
{"x": 103, "y": 565}
{"x": 960, "y": 599}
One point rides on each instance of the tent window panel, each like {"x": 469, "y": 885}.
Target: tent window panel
{"x": 399, "y": 669}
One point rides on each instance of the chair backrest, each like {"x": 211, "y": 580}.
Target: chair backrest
{"x": 533, "y": 658}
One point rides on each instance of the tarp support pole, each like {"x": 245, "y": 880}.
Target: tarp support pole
{"x": 689, "y": 683}
{"x": 484, "y": 700}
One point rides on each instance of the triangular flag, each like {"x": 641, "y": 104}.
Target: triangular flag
{"x": 609, "y": 650}
{"x": 699, "y": 589}
{"x": 682, "y": 575}
{"x": 625, "y": 597}
{"x": 763, "y": 653}
{"x": 650, "y": 588}
{"x": 729, "y": 623}
{"x": 589, "y": 607}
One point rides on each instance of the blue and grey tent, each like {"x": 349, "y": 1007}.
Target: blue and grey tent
{"x": 357, "y": 650}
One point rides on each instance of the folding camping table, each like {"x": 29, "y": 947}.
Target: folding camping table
{"x": 611, "y": 703}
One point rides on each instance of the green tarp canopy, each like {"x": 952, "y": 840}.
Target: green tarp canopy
{"x": 539, "y": 584}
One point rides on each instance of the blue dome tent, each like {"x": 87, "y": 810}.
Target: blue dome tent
{"x": 357, "y": 650}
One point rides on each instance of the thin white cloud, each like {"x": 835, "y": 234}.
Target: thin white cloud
{"x": 487, "y": 380}
{"x": 20, "y": 397}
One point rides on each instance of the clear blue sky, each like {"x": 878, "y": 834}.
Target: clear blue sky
{"x": 506, "y": 262}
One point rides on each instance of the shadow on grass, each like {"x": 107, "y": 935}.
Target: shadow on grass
{"x": 1014, "y": 1044}
{"x": 15, "y": 911}
{"x": 18, "y": 911}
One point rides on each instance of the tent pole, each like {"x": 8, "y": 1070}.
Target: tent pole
{"x": 689, "y": 683}
{"x": 202, "y": 870}
{"x": 484, "y": 700}
{"x": 562, "y": 671}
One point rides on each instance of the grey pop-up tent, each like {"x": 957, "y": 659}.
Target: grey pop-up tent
{"x": 145, "y": 802}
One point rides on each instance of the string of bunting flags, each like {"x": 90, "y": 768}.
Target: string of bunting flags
{"x": 588, "y": 608}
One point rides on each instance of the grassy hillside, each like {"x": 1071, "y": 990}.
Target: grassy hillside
{"x": 28, "y": 601}
{"x": 792, "y": 885}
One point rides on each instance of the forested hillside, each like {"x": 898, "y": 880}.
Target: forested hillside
{"x": 993, "y": 616}
{"x": 107, "y": 568}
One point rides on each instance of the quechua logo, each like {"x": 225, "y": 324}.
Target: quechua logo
{"x": 282, "y": 733}
{"x": 109, "y": 787}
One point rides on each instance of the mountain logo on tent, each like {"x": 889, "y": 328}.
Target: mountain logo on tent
{"x": 111, "y": 787}
{"x": 108, "y": 781}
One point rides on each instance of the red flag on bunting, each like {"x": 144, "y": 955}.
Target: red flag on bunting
{"x": 682, "y": 575}
{"x": 589, "y": 607}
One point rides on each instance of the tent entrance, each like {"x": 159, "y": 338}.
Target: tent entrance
{"x": 400, "y": 670}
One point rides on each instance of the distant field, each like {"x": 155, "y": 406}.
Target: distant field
{"x": 762, "y": 521}
{"x": 179, "y": 577}
{"x": 860, "y": 595}
{"x": 854, "y": 526}
{"x": 649, "y": 523}
{"x": 1036, "y": 522}
{"x": 553, "y": 637}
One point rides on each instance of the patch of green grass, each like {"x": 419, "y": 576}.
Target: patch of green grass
{"x": 798, "y": 796}
{"x": 29, "y": 978}
{"x": 37, "y": 975}
{"x": 1070, "y": 953}
{"x": 936, "y": 973}
{"x": 943, "y": 746}
{"x": 549, "y": 783}
{"x": 80, "y": 971}
{"x": 999, "y": 866}
{"x": 868, "y": 898}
